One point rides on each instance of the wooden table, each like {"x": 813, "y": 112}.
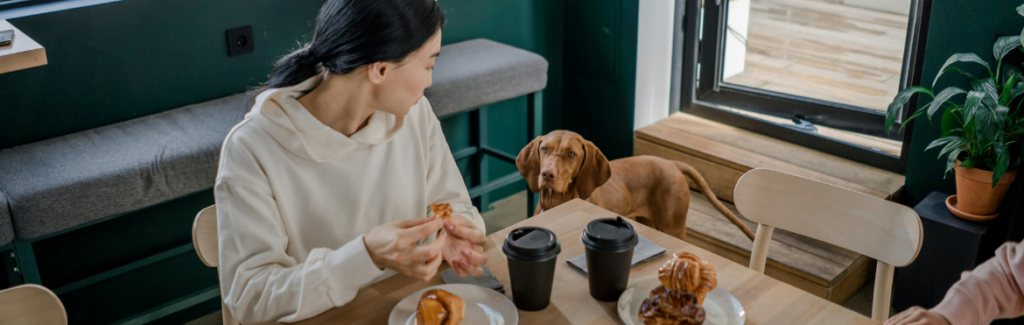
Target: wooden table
{"x": 766, "y": 300}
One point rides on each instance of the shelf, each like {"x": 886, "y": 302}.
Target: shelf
{"x": 23, "y": 54}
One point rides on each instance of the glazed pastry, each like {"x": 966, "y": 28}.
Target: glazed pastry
{"x": 439, "y": 307}
{"x": 671, "y": 307}
{"x": 442, "y": 210}
{"x": 688, "y": 272}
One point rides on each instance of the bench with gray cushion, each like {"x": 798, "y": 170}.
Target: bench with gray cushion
{"x": 52, "y": 186}
{"x": 6, "y": 229}
{"x": 67, "y": 181}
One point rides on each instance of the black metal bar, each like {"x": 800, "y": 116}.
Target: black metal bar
{"x": 678, "y": 46}
{"x": 504, "y": 156}
{"x": 465, "y": 153}
{"x": 483, "y": 189}
{"x": 484, "y": 201}
{"x": 917, "y": 35}
{"x": 10, "y": 264}
{"x": 827, "y": 145}
{"x": 691, "y": 52}
{"x": 474, "y": 162}
{"x": 150, "y": 260}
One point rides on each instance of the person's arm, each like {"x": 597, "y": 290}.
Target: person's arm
{"x": 991, "y": 291}
{"x": 260, "y": 282}
{"x": 444, "y": 181}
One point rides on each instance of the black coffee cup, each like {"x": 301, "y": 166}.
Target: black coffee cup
{"x": 609, "y": 244}
{"x": 532, "y": 254}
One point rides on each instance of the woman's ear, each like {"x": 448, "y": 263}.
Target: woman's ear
{"x": 528, "y": 163}
{"x": 594, "y": 172}
{"x": 377, "y": 71}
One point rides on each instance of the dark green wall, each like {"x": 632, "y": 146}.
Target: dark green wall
{"x": 956, "y": 26}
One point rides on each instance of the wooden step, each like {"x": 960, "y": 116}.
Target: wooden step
{"x": 722, "y": 154}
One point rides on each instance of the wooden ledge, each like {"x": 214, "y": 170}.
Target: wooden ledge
{"x": 24, "y": 53}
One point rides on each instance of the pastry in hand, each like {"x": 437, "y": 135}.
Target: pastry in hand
{"x": 688, "y": 272}
{"x": 671, "y": 307}
{"x": 439, "y": 307}
{"x": 441, "y": 210}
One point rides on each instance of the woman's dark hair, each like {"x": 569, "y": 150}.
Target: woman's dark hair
{"x": 353, "y": 33}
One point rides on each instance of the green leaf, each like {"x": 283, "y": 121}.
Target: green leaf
{"x": 951, "y": 161}
{"x": 938, "y": 143}
{"x": 988, "y": 87}
{"x": 1020, "y": 10}
{"x": 949, "y": 122}
{"x": 1004, "y": 97}
{"x": 971, "y": 105}
{"x": 1017, "y": 90}
{"x": 1004, "y": 45}
{"x": 969, "y": 162}
{"x": 962, "y": 57}
{"x": 901, "y": 99}
{"x": 957, "y": 142}
{"x": 960, "y": 71}
{"x": 912, "y": 116}
{"x": 941, "y": 98}
{"x": 1002, "y": 162}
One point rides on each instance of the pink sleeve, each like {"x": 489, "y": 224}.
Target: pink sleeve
{"x": 990, "y": 291}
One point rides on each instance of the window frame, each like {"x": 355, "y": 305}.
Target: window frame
{"x": 707, "y": 99}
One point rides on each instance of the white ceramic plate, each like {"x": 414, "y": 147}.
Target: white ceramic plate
{"x": 720, "y": 307}
{"x": 483, "y": 306}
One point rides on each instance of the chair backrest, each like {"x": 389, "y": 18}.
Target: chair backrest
{"x": 204, "y": 236}
{"x": 886, "y": 231}
{"x": 31, "y": 304}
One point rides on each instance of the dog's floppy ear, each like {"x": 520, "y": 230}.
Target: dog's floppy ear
{"x": 595, "y": 171}
{"x": 528, "y": 163}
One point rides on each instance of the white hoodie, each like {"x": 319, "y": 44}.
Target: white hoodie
{"x": 294, "y": 198}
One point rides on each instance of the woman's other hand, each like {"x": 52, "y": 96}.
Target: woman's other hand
{"x": 464, "y": 249}
{"x": 917, "y": 316}
{"x": 394, "y": 246}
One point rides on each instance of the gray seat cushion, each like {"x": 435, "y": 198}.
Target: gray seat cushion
{"x": 478, "y": 72}
{"x": 66, "y": 181}
{"x": 6, "y": 230}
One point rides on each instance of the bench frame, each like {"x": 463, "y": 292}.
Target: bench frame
{"x": 478, "y": 150}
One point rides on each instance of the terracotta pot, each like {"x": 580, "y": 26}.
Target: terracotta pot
{"x": 974, "y": 191}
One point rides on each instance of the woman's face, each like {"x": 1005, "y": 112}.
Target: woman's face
{"x": 402, "y": 85}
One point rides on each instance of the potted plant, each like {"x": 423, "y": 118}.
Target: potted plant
{"x": 982, "y": 127}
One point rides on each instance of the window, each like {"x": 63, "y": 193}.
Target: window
{"x": 819, "y": 73}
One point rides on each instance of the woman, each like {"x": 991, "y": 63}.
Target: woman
{"x": 993, "y": 290}
{"x": 324, "y": 187}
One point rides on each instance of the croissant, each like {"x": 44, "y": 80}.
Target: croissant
{"x": 671, "y": 307}
{"x": 439, "y": 307}
{"x": 442, "y": 210}
{"x": 688, "y": 272}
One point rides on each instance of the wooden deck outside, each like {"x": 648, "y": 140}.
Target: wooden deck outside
{"x": 825, "y": 50}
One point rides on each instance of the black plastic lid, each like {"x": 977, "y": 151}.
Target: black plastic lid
{"x": 609, "y": 234}
{"x": 531, "y": 243}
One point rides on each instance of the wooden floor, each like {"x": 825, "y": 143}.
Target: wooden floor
{"x": 824, "y": 50}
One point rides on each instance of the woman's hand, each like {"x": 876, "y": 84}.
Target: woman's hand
{"x": 917, "y": 316}
{"x": 394, "y": 246}
{"x": 464, "y": 249}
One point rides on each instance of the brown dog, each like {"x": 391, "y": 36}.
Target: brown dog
{"x": 563, "y": 166}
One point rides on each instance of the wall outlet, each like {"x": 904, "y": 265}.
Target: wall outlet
{"x": 240, "y": 41}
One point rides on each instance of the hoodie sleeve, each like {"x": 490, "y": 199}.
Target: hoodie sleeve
{"x": 991, "y": 291}
{"x": 444, "y": 181}
{"x": 260, "y": 282}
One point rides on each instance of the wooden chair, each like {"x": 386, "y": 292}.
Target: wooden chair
{"x": 31, "y": 304}
{"x": 886, "y": 231}
{"x": 204, "y": 238}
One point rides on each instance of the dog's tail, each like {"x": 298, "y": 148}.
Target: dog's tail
{"x": 692, "y": 173}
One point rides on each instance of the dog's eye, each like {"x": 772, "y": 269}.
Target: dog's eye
{"x": 572, "y": 154}
{"x": 544, "y": 149}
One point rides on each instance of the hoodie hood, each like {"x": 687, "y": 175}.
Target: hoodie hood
{"x": 278, "y": 112}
